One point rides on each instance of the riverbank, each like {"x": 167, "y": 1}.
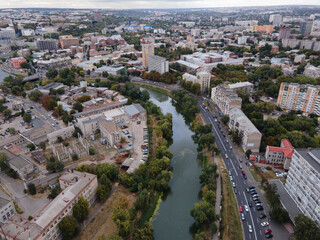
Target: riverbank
{"x": 162, "y": 90}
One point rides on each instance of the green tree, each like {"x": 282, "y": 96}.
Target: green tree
{"x": 25, "y": 65}
{"x": 42, "y": 145}
{"x": 54, "y": 192}
{"x": 81, "y": 209}
{"x": 7, "y": 113}
{"x": 31, "y": 146}
{"x": 68, "y": 227}
{"x": 32, "y": 189}
{"x": 12, "y": 131}
{"x": 74, "y": 157}
{"x": 163, "y": 151}
{"x": 142, "y": 201}
{"x": 248, "y": 153}
{"x": 225, "y": 119}
{"x": 91, "y": 151}
{"x": 305, "y": 228}
{"x": 27, "y": 117}
{"x": 52, "y": 73}
{"x": 200, "y": 236}
{"x": 77, "y": 106}
{"x": 35, "y": 95}
{"x": 145, "y": 233}
{"x": 203, "y": 213}
{"x": 121, "y": 218}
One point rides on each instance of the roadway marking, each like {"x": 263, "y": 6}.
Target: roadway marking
{"x": 234, "y": 168}
{"x": 217, "y": 134}
{"x": 260, "y": 232}
{"x": 254, "y": 228}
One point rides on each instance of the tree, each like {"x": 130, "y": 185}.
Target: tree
{"x": 68, "y": 227}
{"x": 200, "y": 236}
{"x": 81, "y": 209}
{"x": 77, "y": 106}
{"x": 42, "y": 145}
{"x": 7, "y": 113}
{"x": 142, "y": 201}
{"x": 91, "y": 151}
{"x": 248, "y": 153}
{"x": 145, "y": 95}
{"x": 225, "y": 119}
{"x": 52, "y": 73}
{"x": 121, "y": 218}
{"x": 12, "y": 131}
{"x": 27, "y": 117}
{"x": 203, "y": 213}
{"x": 163, "y": 151}
{"x": 305, "y": 228}
{"x": 145, "y": 233}
{"x": 54, "y": 192}
{"x": 35, "y": 95}
{"x": 32, "y": 189}
{"x": 279, "y": 214}
{"x": 31, "y": 146}
{"x": 74, "y": 157}
{"x": 25, "y": 65}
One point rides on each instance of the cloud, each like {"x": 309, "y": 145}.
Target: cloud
{"x": 134, "y": 4}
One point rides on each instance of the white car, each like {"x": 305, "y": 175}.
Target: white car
{"x": 246, "y": 208}
{"x": 250, "y": 228}
{"x": 233, "y": 184}
{"x": 264, "y": 224}
{"x": 226, "y": 156}
{"x": 230, "y": 147}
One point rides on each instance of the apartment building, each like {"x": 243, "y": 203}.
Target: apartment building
{"x": 303, "y": 181}
{"x": 312, "y": 71}
{"x": 251, "y": 136}
{"x": 203, "y": 78}
{"x": 284, "y": 33}
{"x": 306, "y": 27}
{"x": 147, "y": 51}
{"x": 280, "y": 156}
{"x": 60, "y": 62}
{"x": 225, "y": 98}
{"x": 7, "y": 209}
{"x": 293, "y": 96}
{"x": 68, "y": 40}
{"x": 44, "y": 226}
{"x": 47, "y": 44}
{"x": 158, "y": 64}
{"x": 262, "y": 28}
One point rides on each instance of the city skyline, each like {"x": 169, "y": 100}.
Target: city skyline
{"x": 145, "y": 4}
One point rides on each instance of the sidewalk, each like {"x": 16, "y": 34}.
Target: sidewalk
{"x": 218, "y": 199}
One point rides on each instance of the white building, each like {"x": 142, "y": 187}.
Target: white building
{"x": 303, "y": 181}
{"x": 158, "y": 64}
{"x": 64, "y": 133}
{"x": 312, "y": 71}
{"x": 203, "y": 78}
{"x": 251, "y": 136}
{"x": 7, "y": 209}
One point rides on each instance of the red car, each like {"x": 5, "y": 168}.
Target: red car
{"x": 268, "y": 231}
{"x": 240, "y": 208}
{"x": 243, "y": 173}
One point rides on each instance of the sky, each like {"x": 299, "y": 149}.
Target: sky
{"x": 134, "y": 4}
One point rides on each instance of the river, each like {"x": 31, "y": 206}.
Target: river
{"x": 3, "y": 75}
{"x": 173, "y": 219}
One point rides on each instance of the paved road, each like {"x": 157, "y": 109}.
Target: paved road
{"x": 232, "y": 164}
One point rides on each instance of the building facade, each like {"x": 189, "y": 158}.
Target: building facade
{"x": 293, "y": 96}
{"x": 47, "y": 44}
{"x": 303, "y": 181}
{"x": 16, "y": 62}
{"x": 67, "y": 41}
{"x": 250, "y": 135}
{"x": 284, "y": 33}
{"x": 147, "y": 51}
{"x": 262, "y": 28}
{"x": 7, "y": 209}
{"x": 158, "y": 64}
{"x": 306, "y": 27}
{"x": 280, "y": 156}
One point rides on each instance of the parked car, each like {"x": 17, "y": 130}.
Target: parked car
{"x": 230, "y": 173}
{"x": 240, "y": 209}
{"x": 235, "y": 191}
{"x": 262, "y": 215}
{"x": 264, "y": 224}
{"x": 242, "y": 217}
{"x": 240, "y": 166}
{"x": 233, "y": 184}
{"x": 259, "y": 208}
{"x": 269, "y": 235}
{"x": 250, "y": 228}
{"x": 246, "y": 208}
{"x": 268, "y": 231}
{"x": 250, "y": 204}
{"x": 231, "y": 178}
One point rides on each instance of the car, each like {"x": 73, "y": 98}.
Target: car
{"x": 226, "y": 155}
{"x": 250, "y": 204}
{"x": 230, "y": 147}
{"x": 250, "y": 228}
{"x": 227, "y": 140}
{"x": 262, "y": 215}
{"x": 245, "y": 177}
{"x": 243, "y": 173}
{"x": 242, "y": 217}
{"x": 240, "y": 209}
{"x": 235, "y": 191}
{"x": 253, "y": 193}
{"x": 230, "y": 173}
{"x": 233, "y": 184}
{"x": 268, "y": 231}
{"x": 269, "y": 235}
{"x": 252, "y": 187}
{"x": 257, "y": 203}
{"x": 264, "y": 224}
{"x": 52, "y": 124}
{"x": 246, "y": 208}
{"x": 231, "y": 178}
{"x": 138, "y": 122}
{"x": 240, "y": 160}
{"x": 240, "y": 166}
{"x": 259, "y": 208}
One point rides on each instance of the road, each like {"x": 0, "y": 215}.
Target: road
{"x": 233, "y": 164}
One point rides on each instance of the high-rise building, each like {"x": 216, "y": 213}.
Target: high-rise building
{"x": 68, "y": 41}
{"x": 293, "y": 96}
{"x": 47, "y": 44}
{"x": 306, "y": 27}
{"x": 263, "y": 28}
{"x": 275, "y": 19}
{"x": 158, "y": 64}
{"x": 303, "y": 180}
{"x": 147, "y": 51}
{"x": 97, "y": 16}
{"x": 203, "y": 78}
{"x": 284, "y": 33}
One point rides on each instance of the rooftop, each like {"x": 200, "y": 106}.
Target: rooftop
{"x": 312, "y": 156}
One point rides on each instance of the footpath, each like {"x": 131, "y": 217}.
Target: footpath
{"x": 218, "y": 199}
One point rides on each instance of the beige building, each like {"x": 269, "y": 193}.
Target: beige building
{"x": 280, "y": 156}
{"x": 68, "y": 40}
{"x": 65, "y": 133}
{"x": 7, "y": 209}
{"x": 202, "y": 77}
{"x": 225, "y": 98}
{"x": 147, "y": 51}
{"x": 44, "y": 226}
{"x": 293, "y": 96}
{"x": 251, "y": 136}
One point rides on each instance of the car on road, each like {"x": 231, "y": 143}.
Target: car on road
{"x": 253, "y": 193}
{"x": 233, "y": 184}
{"x": 240, "y": 209}
{"x": 250, "y": 204}
{"x": 268, "y": 231}
{"x": 262, "y": 215}
{"x": 246, "y": 208}
{"x": 250, "y": 228}
{"x": 230, "y": 173}
{"x": 252, "y": 187}
{"x": 264, "y": 224}
{"x": 243, "y": 217}
{"x": 259, "y": 208}
{"x": 231, "y": 178}
{"x": 240, "y": 160}
{"x": 240, "y": 166}
{"x": 235, "y": 191}
{"x": 230, "y": 147}
{"x": 245, "y": 177}
{"x": 269, "y": 235}
{"x": 226, "y": 155}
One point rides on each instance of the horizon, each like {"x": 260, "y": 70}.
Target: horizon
{"x": 154, "y": 5}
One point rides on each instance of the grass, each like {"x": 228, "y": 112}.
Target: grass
{"x": 230, "y": 227}
{"x": 157, "y": 89}
{"x": 255, "y": 173}
{"x": 151, "y": 210}
{"x": 16, "y": 206}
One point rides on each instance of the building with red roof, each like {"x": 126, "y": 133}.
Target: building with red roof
{"x": 280, "y": 156}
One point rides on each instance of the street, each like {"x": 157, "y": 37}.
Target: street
{"x": 243, "y": 198}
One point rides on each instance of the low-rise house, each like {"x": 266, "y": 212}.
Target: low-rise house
{"x": 136, "y": 111}
{"x": 280, "y": 156}
{"x": 64, "y": 133}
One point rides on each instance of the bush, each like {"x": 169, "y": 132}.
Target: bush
{"x": 75, "y": 157}
{"x": 91, "y": 151}
{"x": 32, "y": 189}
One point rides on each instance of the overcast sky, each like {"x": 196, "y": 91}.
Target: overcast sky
{"x": 129, "y": 4}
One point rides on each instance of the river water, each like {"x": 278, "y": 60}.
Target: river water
{"x": 173, "y": 219}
